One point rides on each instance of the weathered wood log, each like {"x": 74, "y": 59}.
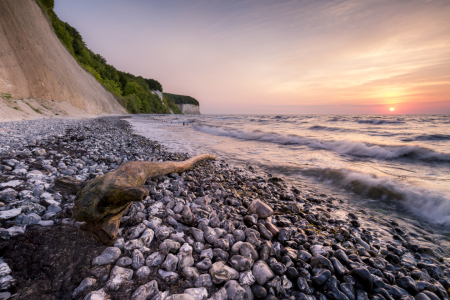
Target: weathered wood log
{"x": 69, "y": 185}
{"x": 103, "y": 201}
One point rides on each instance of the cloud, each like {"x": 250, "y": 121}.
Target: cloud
{"x": 246, "y": 54}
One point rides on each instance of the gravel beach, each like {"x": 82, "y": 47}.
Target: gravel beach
{"x": 218, "y": 231}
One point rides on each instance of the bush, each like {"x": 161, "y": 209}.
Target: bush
{"x": 180, "y": 99}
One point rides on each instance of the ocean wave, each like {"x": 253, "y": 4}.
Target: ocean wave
{"x": 326, "y": 128}
{"x": 379, "y": 121}
{"x": 342, "y": 147}
{"x": 429, "y": 137}
{"x": 428, "y": 203}
{"x": 336, "y": 119}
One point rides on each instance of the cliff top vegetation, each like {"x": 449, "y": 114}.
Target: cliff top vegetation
{"x": 180, "y": 99}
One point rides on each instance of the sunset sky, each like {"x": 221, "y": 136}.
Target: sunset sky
{"x": 258, "y": 56}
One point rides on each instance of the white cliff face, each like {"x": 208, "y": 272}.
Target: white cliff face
{"x": 160, "y": 94}
{"x": 189, "y": 109}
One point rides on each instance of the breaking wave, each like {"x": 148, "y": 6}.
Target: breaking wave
{"x": 379, "y": 122}
{"x": 342, "y": 147}
{"x": 431, "y": 204}
{"x": 429, "y": 137}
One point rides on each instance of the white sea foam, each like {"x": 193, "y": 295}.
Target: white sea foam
{"x": 431, "y": 204}
{"x": 380, "y": 121}
{"x": 342, "y": 147}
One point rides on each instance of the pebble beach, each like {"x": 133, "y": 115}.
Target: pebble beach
{"x": 219, "y": 231}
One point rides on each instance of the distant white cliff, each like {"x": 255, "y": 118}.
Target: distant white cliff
{"x": 189, "y": 109}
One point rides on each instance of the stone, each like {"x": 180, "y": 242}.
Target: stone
{"x": 155, "y": 259}
{"x": 124, "y": 261}
{"x": 211, "y": 235}
{"x": 234, "y": 290}
{"x": 426, "y": 250}
{"x": 240, "y": 263}
{"x": 247, "y": 278}
{"x": 408, "y": 284}
{"x": 362, "y": 243}
{"x": 339, "y": 269}
{"x": 187, "y": 217}
{"x": 11, "y": 232}
{"x": 421, "y": 296}
{"x": 265, "y": 233}
{"x": 142, "y": 272}
{"x": 118, "y": 276}
{"x": 197, "y": 234}
{"x": 199, "y": 247}
{"x": 12, "y": 183}
{"x": 168, "y": 277}
{"x": 316, "y": 250}
{"x": 342, "y": 256}
{"x": 319, "y": 261}
{"x": 108, "y": 256}
{"x": 180, "y": 297}
{"x": 163, "y": 232}
{"x": 190, "y": 272}
{"x": 220, "y": 254}
{"x": 259, "y": 291}
{"x": 169, "y": 246}
{"x": 6, "y": 282}
{"x": 170, "y": 264}
{"x": 85, "y": 285}
{"x": 239, "y": 235}
{"x": 222, "y": 273}
{"x": 199, "y": 293}
{"x": 96, "y": 295}
{"x": 8, "y": 195}
{"x": 220, "y": 295}
{"x": 153, "y": 222}
{"x": 120, "y": 243}
{"x": 204, "y": 265}
{"x": 53, "y": 208}
{"x": 203, "y": 280}
{"x": 46, "y": 223}
{"x": 31, "y": 219}
{"x": 185, "y": 259}
{"x": 347, "y": 290}
{"x": 278, "y": 268}
{"x": 146, "y": 291}
{"x": 262, "y": 272}
{"x": 361, "y": 295}
{"x": 147, "y": 237}
{"x": 4, "y": 269}
{"x": 38, "y": 151}
{"x": 260, "y": 208}
{"x": 302, "y": 285}
{"x": 135, "y": 232}
{"x": 363, "y": 278}
{"x": 138, "y": 259}
{"x": 208, "y": 253}
{"x": 9, "y": 214}
{"x": 320, "y": 276}
{"x": 248, "y": 251}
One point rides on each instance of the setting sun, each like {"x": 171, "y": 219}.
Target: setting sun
{"x": 391, "y": 109}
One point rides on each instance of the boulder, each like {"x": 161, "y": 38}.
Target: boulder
{"x": 260, "y": 208}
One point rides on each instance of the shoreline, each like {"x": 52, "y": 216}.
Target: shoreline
{"x": 300, "y": 227}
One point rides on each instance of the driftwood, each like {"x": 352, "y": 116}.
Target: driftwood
{"x": 101, "y": 202}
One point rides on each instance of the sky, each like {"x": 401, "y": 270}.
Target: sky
{"x": 279, "y": 56}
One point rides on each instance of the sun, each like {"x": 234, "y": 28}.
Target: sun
{"x": 391, "y": 109}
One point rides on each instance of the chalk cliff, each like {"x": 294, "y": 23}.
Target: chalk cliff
{"x": 34, "y": 64}
{"x": 189, "y": 109}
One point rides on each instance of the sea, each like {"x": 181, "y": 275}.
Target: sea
{"x": 393, "y": 167}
